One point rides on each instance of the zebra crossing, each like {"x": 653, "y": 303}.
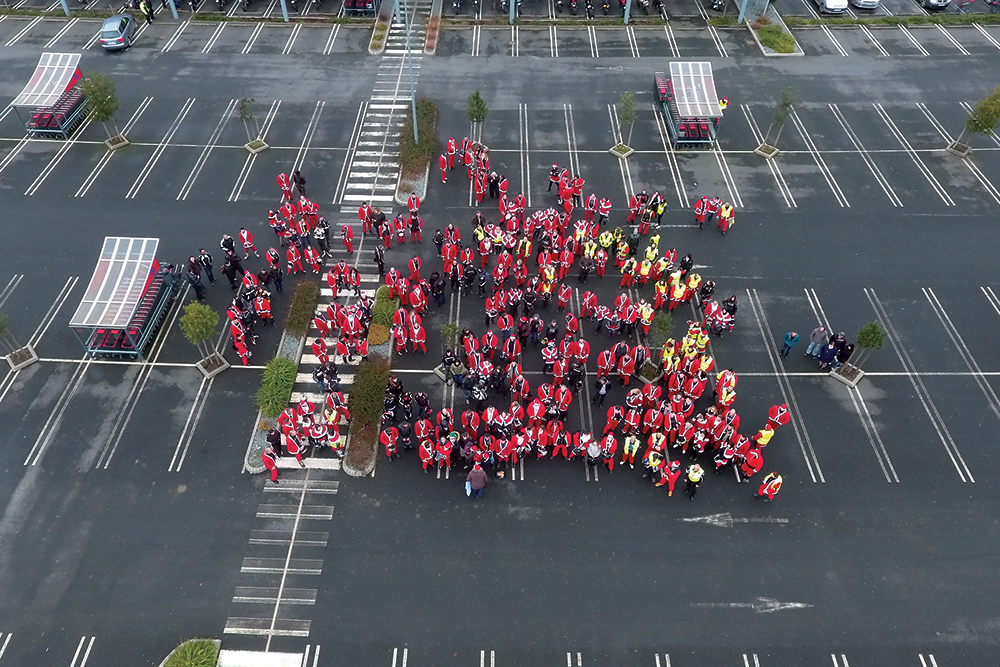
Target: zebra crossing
{"x": 284, "y": 557}
{"x": 374, "y": 169}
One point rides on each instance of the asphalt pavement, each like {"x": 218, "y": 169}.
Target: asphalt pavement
{"x": 129, "y": 524}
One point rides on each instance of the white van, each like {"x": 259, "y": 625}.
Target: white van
{"x": 832, "y": 6}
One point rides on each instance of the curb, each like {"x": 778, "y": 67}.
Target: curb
{"x": 252, "y": 462}
{"x": 775, "y": 18}
{"x": 434, "y": 27}
{"x": 419, "y": 186}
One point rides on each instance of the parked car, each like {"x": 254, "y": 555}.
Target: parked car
{"x": 934, "y": 4}
{"x": 865, "y": 4}
{"x": 118, "y": 32}
{"x": 832, "y": 6}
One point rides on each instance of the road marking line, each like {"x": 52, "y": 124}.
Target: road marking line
{"x": 867, "y": 422}
{"x": 798, "y": 425}
{"x": 11, "y": 286}
{"x": 987, "y": 35}
{"x": 6, "y": 641}
{"x": 671, "y": 41}
{"x": 928, "y": 174}
{"x": 869, "y": 162}
{"x": 215, "y": 36}
{"x": 937, "y": 421}
{"x": 253, "y": 38}
{"x": 675, "y": 170}
{"x": 56, "y": 159}
{"x": 103, "y": 162}
{"x": 308, "y": 136}
{"x": 173, "y": 39}
{"x": 241, "y": 180}
{"x": 820, "y": 162}
{"x": 727, "y": 175}
{"x": 779, "y": 179}
{"x": 331, "y": 39}
{"x": 24, "y": 31}
{"x": 291, "y": 39}
{"x": 633, "y": 43}
{"x": 206, "y": 151}
{"x": 59, "y": 35}
{"x": 18, "y": 147}
{"x": 55, "y": 417}
{"x": 158, "y": 151}
{"x": 50, "y": 315}
{"x": 980, "y": 176}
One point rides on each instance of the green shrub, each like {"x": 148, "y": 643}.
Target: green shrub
{"x": 660, "y": 329}
{"x": 723, "y": 20}
{"x": 194, "y": 653}
{"x": 276, "y": 386}
{"x": 384, "y": 294}
{"x": 414, "y": 157}
{"x": 773, "y": 37}
{"x": 302, "y": 308}
{"x": 382, "y": 313}
{"x": 365, "y": 403}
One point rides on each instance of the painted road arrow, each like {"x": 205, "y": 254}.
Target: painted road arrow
{"x": 759, "y": 606}
{"x": 726, "y": 520}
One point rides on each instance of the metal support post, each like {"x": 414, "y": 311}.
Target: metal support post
{"x": 513, "y": 9}
{"x": 173, "y": 9}
{"x": 284, "y": 10}
{"x": 743, "y": 11}
{"x": 64, "y": 6}
{"x": 628, "y": 10}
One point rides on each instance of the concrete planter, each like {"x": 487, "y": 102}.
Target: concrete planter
{"x": 766, "y": 151}
{"x": 961, "y": 150}
{"x": 116, "y": 142}
{"x": 621, "y": 153}
{"x": 212, "y": 365}
{"x": 775, "y": 18}
{"x": 404, "y": 187}
{"x": 848, "y": 374}
{"x": 256, "y": 149}
{"x": 22, "y": 358}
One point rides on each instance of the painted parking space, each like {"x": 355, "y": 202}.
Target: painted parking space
{"x": 816, "y": 42}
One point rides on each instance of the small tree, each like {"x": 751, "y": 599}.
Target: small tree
{"x": 246, "y": 115}
{"x": 102, "y": 101}
{"x": 870, "y": 337}
{"x": 198, "y": 324}
{"x": 449, "y": 335}
{"x": 6, "y": 337}
{"x": 781, "y": 114}
{"x": 477, "y": 109}
{"x": 982, "y": 119}
{"x": 626, "y": 112}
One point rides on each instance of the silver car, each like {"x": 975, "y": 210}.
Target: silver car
{"x": 118, "y": 32}
{"x": 934, "y": 4}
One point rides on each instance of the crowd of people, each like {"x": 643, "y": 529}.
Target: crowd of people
{"x": 522, "y": 263}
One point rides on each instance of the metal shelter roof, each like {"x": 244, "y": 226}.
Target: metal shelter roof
{"x": 118, "y": 283}
{"x": 694, "y": 90}
{"x": 54, "y": 74}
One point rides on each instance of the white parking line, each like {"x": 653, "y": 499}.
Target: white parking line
{"x": 86, "y": 654}
{"x": 18, "y": 147}
{"x": 592, "y": 37}
{"x": 158, "y": 151}
{"x": 291, "y": 38}
{"x": 308, "y": 136}
{"x": 632, "y": 42}
{"x": 871, "y": 37}
{"x": 352, "y": 146}
{"x": 671, "y": 41}
{"x": 868, "y": 160}
{"x": 928, "y": 174}
{"x": 234, "y": 195}
{"x": 954, "y": 42}
{"x": 727, "y": 176}
{"x": 976, "y": 171}
{"x": 712, "y": 31}
{"x": 103, "y": 162}
{"x": 553, "y": 42}
{"x": 675, "y": 170}
{"x": 525, "y": 152}
{"x": 215, "y": 36}
{"x": 987, "y": 35}
{"x": 56, "y": 159}
{"x": 515, "y": 42}
{"x": 785, "y": 386}
{"x": 878, "y": 447}
{"x": 206, "y": 151}
{"x": 24, "y": 31}
{"x": 937, "y": 421}
{"x": 66, "y": 28}
{"x": 779, "y": 179}
{"x": 820, "y": 162}
{"x": 173, "y": 39}
{"x": 253, "y": 38}
{"x": 914, "y": 41}
{"x": 331, "y": 39}
{"x": 51, "y": 424}
{"x": 3, "y": 649}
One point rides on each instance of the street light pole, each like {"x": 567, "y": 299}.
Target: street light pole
{"x": 628, "y": 10}
{"x": 413, "y": 85}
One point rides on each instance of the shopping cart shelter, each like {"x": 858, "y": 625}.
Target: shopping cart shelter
{"x": 127, "y": 299}
{"x": 689, "y": 104}
{"x": 51, "y": 104}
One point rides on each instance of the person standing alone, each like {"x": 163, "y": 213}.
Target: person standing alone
{"x": 791, "y": 340}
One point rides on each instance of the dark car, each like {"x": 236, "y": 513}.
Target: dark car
{"x": 118, "y": 32}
